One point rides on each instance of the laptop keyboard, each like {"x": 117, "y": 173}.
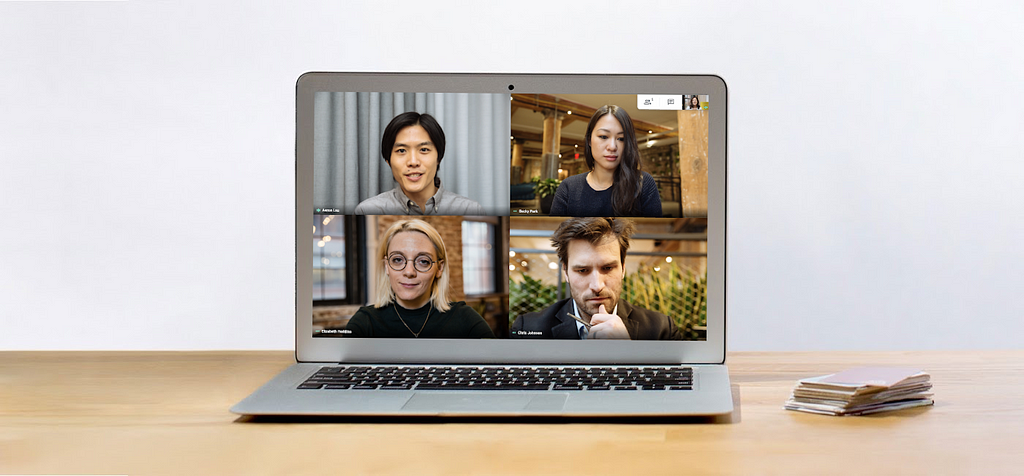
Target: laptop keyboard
{"x": 501, "y": 378}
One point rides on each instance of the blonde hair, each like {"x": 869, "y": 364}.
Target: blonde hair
{"x": 439, "y": 290}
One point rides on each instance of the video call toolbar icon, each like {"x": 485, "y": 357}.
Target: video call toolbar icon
{"x": 672, "y": 102}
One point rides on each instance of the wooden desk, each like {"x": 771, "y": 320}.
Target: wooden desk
{"x": 167, "y": 413}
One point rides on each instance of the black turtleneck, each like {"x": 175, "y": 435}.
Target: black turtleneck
{"x": 458, "y": 321}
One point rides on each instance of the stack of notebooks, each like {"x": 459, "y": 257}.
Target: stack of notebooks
{"x": 861, "y": 391}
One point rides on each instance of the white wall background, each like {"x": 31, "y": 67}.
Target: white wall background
{"x": 876, "y": 157}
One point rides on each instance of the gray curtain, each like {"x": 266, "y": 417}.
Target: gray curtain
{"x": 348, "y": 167}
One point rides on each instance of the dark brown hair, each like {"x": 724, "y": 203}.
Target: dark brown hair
{"x": 594, "y": 230}
{"x": 628, "y": 178}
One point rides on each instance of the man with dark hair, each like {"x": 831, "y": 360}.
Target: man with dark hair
{"x": 413, "y": 145}
{"x": 593, "y": 256}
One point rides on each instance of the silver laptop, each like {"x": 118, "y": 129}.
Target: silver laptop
{"x": 494, "y": 245}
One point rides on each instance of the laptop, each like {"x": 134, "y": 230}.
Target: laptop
{"x": 507, "y": 245}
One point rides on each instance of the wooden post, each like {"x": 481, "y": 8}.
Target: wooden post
{"x": 517, "y": 159}
{"x": 552, "y": 141}
{"x": 693, "y": 162}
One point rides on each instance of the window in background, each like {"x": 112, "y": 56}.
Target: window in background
{"x": 329, "y": 282}
{"x": 478, "y": 258}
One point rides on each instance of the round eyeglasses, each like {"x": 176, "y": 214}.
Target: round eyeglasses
{"x": 422, "y": 263}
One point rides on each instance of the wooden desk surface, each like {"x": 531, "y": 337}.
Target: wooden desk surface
{"x": 167, "y": 413}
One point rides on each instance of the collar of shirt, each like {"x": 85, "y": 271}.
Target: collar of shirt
{"x": 580, "y": 328}
{"x": 411, "y": 208}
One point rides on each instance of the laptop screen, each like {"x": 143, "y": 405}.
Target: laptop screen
{"x": 529, "y": 216}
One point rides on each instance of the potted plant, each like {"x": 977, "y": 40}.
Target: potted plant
{"x": 529, "y": 295}
{"x": 682, "y": 295}
{"x": 545, "y": 191}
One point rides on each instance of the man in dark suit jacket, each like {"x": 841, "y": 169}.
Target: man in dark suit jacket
{"x": 593, "y": 256}
{"x": 554, "y": 323}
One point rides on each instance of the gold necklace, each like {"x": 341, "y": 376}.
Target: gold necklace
{"x": 424, "y": 326}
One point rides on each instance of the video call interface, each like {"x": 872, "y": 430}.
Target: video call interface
{"x": 510, "y": 216}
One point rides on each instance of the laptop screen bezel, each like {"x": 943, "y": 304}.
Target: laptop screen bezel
{"x": 510, "y": 351}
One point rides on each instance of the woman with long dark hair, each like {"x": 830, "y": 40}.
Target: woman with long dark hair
{"x": 615, "y": 185}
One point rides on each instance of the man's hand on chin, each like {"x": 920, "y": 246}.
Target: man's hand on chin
{"x": 607, "y": 326}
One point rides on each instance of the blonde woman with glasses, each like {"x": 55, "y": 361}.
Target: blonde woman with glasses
{"x": 411, "y": 298}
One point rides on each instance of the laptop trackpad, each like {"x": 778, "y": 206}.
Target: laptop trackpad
{"x": 484, "y": 402}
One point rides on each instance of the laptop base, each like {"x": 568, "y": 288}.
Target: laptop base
{"x": 711, "y": 395}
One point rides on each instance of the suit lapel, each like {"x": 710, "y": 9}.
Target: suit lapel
{"x": 566, "y": 329}
{"x": 632, "y": 326}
